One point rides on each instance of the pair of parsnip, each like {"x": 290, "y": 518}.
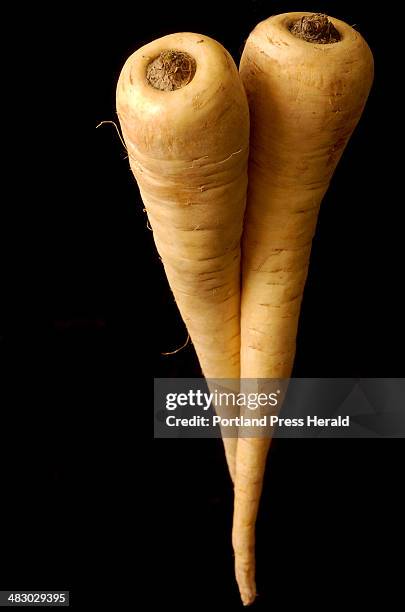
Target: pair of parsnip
{"x": 237, "y": 265}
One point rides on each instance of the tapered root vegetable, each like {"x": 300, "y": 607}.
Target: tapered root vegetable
{"x": 185, "y": 121}
{"x": 307, "y": 79}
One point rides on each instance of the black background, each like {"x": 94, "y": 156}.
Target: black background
{"x": 88, "y": 494}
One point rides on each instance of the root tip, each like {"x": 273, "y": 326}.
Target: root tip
{"x": 248, "y": 597}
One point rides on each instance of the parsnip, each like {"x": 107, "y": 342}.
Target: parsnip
{"x": 307, "y": 80}
{"x": 185, "y": 122}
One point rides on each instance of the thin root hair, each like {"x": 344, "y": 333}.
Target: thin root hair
{"x": 180, "y": 347}
{"x": 117, "y": 129}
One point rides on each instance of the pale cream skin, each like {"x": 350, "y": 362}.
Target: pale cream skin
{"x": 188, "y": 151}
{"x": 305, "y": 99}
